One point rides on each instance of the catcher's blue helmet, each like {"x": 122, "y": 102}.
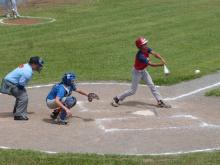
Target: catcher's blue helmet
{"x": 68, "y": 78}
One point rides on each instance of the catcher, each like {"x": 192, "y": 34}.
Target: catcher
{"x": 60, "y": 100}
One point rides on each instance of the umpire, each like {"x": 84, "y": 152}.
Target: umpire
{"x": 14, "y": 84}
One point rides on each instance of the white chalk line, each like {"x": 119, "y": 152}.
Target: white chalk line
{"x": 150, "y": 154}
{"x": 193, "y": 92}
{"x": 182, "y": 152}
{"x": 81, "y": 106}
{"x": 144, "y": 113}
{"x": 3, "y": 147}
{"x": 201, "y": 124}
{"x": 51, "y": 20}
{"x": 48, "y": 152}
{"x": 114, "y": 118}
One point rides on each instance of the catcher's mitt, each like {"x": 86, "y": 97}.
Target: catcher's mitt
{"x": 92, "y": 96}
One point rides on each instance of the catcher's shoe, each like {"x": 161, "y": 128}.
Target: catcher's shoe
{"x": 115, "y": 102}
{"x": 54, "y": 114}
{"x": 63, "y": 122}
{"x": 60, "y": 121}
{"x": 161, "y": 104}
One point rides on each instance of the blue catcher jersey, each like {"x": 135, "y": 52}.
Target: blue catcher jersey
{"x": 60, "y": 90}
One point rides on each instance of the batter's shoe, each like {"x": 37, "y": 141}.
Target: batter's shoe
{"x": 161, "y": 104}
{"x": 115, "y": 102}
{"x": 21, "y": 118}
{"x": 54, "y": 114}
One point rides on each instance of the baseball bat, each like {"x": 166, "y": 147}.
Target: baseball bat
{"x": 166, "y": 70}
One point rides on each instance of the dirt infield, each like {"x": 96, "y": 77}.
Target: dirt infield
{"x": 22, "y": 21}
{"x": 138, "y": 126}
{"x": 49, "y": 2}
{"x": 26, "y": 20}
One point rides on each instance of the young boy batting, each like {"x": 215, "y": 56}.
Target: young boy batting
{"x": 139, "y": 73}
{"x": 60, "y": 100}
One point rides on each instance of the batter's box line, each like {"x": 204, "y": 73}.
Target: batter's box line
{"x": 202, "y": 124}
{"x": 83, "y": 108}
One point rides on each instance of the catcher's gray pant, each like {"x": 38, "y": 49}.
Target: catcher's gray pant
{"x": 11, "y": 5}
{"x": 138, "y": 75}
{"x": 52, "y": 104}
{"x": 21, "y": 103}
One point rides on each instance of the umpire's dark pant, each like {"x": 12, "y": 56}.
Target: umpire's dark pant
{"x": 20, "y": 108}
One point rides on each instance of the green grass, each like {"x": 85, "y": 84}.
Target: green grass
{"x": 96, "y": 39}
{"x": 214, "y": 92}
{"x": 20, "y": 157}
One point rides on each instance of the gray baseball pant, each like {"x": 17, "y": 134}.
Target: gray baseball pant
{"x": 52, "y": 104}
{"x": 137, "y": 76}
{"x": 21, "y": 103}
{"x": 9, "y": 5}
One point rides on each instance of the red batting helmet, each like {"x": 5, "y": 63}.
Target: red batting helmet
{"x": 141, "y": 41}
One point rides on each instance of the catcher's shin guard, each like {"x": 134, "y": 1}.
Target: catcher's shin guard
{"x": 70, "y": 101}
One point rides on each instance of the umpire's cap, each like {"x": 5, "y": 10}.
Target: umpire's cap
{"x": 38, "y": 61}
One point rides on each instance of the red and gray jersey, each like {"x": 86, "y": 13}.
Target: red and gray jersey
{"x": 141, "y": 60}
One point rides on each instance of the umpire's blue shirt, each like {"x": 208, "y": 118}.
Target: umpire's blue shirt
{"x": 21, "y": 75}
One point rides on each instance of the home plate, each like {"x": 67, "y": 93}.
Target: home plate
{"x": 144, "y": 113}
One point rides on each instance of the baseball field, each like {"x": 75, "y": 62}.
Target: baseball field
{"x": 95, "y": 39}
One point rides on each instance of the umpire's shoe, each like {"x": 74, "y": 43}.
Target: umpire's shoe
{"x": 21, "y": 118}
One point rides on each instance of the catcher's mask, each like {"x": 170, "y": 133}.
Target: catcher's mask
{"x": 68, "y": 79}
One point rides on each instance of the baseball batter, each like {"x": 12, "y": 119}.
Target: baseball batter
{"x": 139, "y": 73}
{"x": 11, "y": 9}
